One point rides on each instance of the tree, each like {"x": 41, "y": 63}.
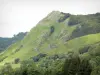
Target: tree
{"x": 71, "y": 66}
{"x": 74, "y": 66}
{"x": 84, "y": 68}
{"x": 6, "y": 70}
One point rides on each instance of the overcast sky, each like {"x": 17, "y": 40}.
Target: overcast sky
{"x": 21, "y": 15}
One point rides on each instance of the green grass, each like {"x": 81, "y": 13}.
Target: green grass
{"x": 33, "y": 38}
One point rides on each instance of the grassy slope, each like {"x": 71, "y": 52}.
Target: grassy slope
{"x": 33, "y": 39}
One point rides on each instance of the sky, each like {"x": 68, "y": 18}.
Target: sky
{"x": 22, "y": 15}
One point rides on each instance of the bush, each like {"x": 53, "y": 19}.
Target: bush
{"x": 16, "y": 61}
{"x": 95, "y": 51}
{"x": 39, "y": 56}
{"x": 6, "y": 70}
{"x": 3, "y": 58}
{"x": 96, "y": 71}
{"x": 18, "y": 48}
{"x": 36, "y": 59}
{"x": 54, "y": 57}
{"x": 84, "y": 68}
{"x": 29, "y": 68}
{"x": 51, "y": 30}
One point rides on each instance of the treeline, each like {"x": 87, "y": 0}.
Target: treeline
{"x": 72, "y": 66}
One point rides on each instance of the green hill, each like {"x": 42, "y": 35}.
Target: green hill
{"x": 59, "y": 34}
{"x": 6, "y": 42}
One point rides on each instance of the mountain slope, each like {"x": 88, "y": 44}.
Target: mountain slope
{"x": 6, "y": 42}
{"x": 58, "y": 33}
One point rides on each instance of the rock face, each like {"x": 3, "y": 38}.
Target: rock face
{"x": 52, "y": 46}
{"x": 54, "y": 16}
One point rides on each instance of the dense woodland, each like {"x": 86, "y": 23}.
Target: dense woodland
{"x": 72, "y": 66}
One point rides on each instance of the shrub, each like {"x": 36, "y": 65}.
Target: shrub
{"x": 16, "y": 61}
{"x": 6, "y": 70}
{"x": 96, "y": 71}
{"x": 18, "y": 48}
{"x": 95, "y": 51}
{"x": 28, "y": 67}
{"x": 51, "y": 30}
{"x": 3, "y": 58}
{"x": 39, "y": 56}
{"x": 84, "y": 68}
{"x": 36, "y": 59}
{"x": 54, "y": 57}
